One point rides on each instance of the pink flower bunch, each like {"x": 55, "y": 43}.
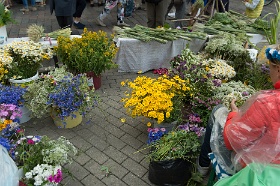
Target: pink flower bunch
{"x": 56, "y": 178}
{"x": 161, "y": 71}
{"x": 194, "y": 118}
{"x": 10, "y": 111}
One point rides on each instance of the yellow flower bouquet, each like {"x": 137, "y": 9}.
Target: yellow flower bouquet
{"x": 159, "y": 99}
{"x": 93, "y": 52}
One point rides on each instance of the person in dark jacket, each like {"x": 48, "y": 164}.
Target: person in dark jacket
{"x": 64, "y": 10}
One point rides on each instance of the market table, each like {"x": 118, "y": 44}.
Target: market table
{"x": 138, "y": 56}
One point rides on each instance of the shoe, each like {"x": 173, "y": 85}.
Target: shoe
{"x": 24, "y": 10}
{"x": 100, "y": 22}
{"x": 122, "y": 23}
{"x": 79, "y": 25}
{"x": 202, "y": 170}
{"x": 33, "y": 8}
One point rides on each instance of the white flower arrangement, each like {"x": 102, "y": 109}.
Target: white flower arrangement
{"x": 233, "y": 90}
{"x": 219, "y": 68}
{"x": 44, "y": 174}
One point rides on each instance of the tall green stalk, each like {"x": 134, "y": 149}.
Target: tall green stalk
{"x": 272, "y": 35}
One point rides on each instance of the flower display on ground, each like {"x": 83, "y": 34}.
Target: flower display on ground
{"x": 155, "y": 134}
{"x": 234, "y": 90}
{"x": 27, "y": 57}
{"x": 5, "y": 15}
{"x": 158, "y": 99}
{"x": 11, "y": 95}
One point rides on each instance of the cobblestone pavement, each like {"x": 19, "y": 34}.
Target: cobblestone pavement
{"x": 105, "y": 140}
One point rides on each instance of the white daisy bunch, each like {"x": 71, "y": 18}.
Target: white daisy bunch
{"x": 5, "y": 58}
{"x": 233, "y": 90}
{"x": 29, "y": 49}
{"x": 44, "y": 174}
{"x": 59, "y": 151}
{"x": 219, "y": 68}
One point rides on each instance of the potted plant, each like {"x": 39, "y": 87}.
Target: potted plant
{"x": 65, "y": 96}
{"x": 92, "y": 53}
{"x": 173, "y": 154}
{"x": 157, "y": 98}
{"x": 27, "y": 57}
{"x": 5, "y": 18}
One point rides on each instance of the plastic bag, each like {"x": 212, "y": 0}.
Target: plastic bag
{"x": 9, "y": 171}
{"x": 170, "y": 173}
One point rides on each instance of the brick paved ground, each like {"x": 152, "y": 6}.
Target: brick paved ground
{"x": 105, "y": 141}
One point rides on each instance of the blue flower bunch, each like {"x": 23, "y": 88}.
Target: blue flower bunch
{"x": 11, "y": 95}
{"x": 6, "y": 143}
{"x": 272, "y": 54}
{"x": 71, "y": 94}
{"x": 155, "y": 134}
{"x": 192, "y": 128}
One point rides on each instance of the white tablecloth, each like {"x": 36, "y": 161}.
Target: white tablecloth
{"x": 139, "y": 56}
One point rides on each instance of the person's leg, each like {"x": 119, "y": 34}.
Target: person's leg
{"x": 169, "y": 8}
{"x": 25, "y": 6}
{"x": 109, "y": 5}
{"x": 120, "y": 14}
{"x": 80, "y": 6}
{"x": 161, "y": 9}
{"x": 151, "y": 15}
{"x": 129, "y": 8}
{"x": 180, "y": 13}
{"x": 64, "y": 21}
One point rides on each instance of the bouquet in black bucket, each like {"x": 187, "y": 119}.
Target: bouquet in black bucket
{"x": 172, "y": 154}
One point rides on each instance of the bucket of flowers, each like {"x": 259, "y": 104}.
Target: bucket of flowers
{"x": 159, "y": 99}
{"x": 14, "y": 95}
{"x": 22, "y": 60}
{"x": 172, "y": 154}
{"x": 66, "y": 97}
{"x": 5, "y": 18}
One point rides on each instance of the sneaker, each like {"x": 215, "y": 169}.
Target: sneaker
{"x": 79, "y": 25}
{"x": 122, "y": 23}
{"x": 202, "y": 170}
{"x": 33, "y": 8}
{"x": 24, "y": 10}
{"x": 100, "y": 22}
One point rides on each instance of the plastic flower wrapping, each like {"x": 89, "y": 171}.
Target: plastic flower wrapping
{"x": 233, "y": 90}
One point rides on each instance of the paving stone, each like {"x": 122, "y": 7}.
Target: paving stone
{"x": 91, "y": 180}
{"x": 98, "y": 143}
{"x": 114, "y": 130}
{"x": 97, "y": 155}
{"x": 131, "y": 130}
{"x": 143, "y": 137}
{"x": 80, "y": 143}
{"x": 116, "y": 142}
{"x": 115, "y": 154}
{"x": 77, "y": 170}
{"x": 115, "y": 104}
{"x": 115, "y": 168}
{"x": 113, "y": 181}
{"x": 145, "y": 163}
{"x": 84, "y": 133}
{"x": 133, "y": 180}
{"x": 115, "y": 121}
{"x": 134, "y": 167}
{"x": 82, "y": 158}
{"x": 70, "y": 181}
{"x": 115, "y": 112}
{"x": 133, "y": 154}
{"x": 135, "y": 143}
{"x": 145, "y": 178}
{"x": 99, "y": 131}
{"x": 95, "y": 169}
{"x": 69, "y": 134}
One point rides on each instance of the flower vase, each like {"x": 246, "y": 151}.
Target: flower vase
{"x": 3, "y": 35}
{"x": 67, "y": 122}
{"x": 24, "y": 82}
{"x": 93, "y": 80}
{"x": 25, "y": 114}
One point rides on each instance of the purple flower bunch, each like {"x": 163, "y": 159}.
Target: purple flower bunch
{"x": 12, "y": 95}
{"x": 10, "y": 112}
{"x": 56, "y": 178}
{"x": 155, "y": 134}
{"x": 194, "y": 118}
{"x": 199, "y": 131}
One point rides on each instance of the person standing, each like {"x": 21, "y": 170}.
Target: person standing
{"x": 253, "y": 8}
{"x": 26, "y": 8}
{"x": 80, "y": 6}
{"x": 109, "y": 5}
{"x": 156, "y": 10}
{"x": 64, "y": 10}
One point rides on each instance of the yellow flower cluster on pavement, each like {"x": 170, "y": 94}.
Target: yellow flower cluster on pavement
{"x": 153, "y": 98}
